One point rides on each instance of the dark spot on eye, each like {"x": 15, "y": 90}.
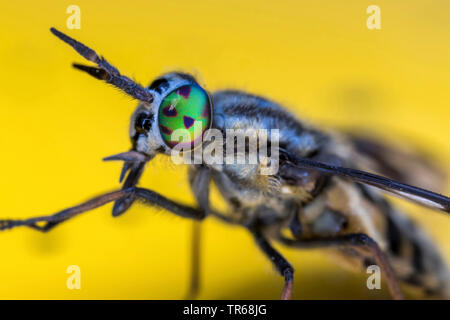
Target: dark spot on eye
{"x": 143, "y": 123}
{"x": 159, "y": 85}
{"x": 205, "y": 112}
{"x": 169, "y": 111}
{"x": 184, "y": 91}
{"x": 165, "y": 130}
{"x": 188, "y": 122}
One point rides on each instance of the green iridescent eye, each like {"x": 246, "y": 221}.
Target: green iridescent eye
{"x": 187, "y": 108}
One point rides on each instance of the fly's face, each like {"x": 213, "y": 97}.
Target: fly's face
{"x": 178, "y": 103}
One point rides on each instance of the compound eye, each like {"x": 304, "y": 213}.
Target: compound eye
{"x": 143, "y": 123}
{"x": 188, "y": 108}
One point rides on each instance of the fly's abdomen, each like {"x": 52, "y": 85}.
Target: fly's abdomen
{"x": 415, "y": 258}
{"x": 413, "y": 255}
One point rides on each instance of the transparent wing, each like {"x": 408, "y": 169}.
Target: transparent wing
{"x": 401, "y": 162}
{"x": 291, "y": 164}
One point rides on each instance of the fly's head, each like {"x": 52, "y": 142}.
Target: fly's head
{"x": 178, "y": 103}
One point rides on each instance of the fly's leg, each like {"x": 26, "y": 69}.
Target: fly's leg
{"x": 153, "y": 198}
{"x": 136, "y": 170}
{"x": 282, "y": 265}
{"x": 194, "y": 284}
{"x": 199, "y": 179}
{"x": 47, "y": 227}
{"x": 295, "y": 226}
{"x": 149, "y": 197}
{"x": 354, "y": 240}
{"x": 64, "y": 215}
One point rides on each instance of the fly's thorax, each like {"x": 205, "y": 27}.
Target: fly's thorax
{"x": 240, "y": 110}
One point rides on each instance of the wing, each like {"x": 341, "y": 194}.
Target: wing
{"x": 292, "y": 165}
{"x": 396, "y": 162}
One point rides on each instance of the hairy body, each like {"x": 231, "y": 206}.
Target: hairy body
{"x": 323, "y": 206}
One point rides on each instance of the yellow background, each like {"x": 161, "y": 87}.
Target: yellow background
{"x": 316, "y": 57}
